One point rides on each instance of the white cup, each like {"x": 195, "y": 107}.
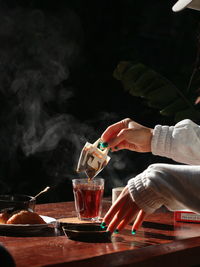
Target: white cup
{"x": 116, "y": 192}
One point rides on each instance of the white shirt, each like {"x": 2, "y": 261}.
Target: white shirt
{"x": 175, "y": 186}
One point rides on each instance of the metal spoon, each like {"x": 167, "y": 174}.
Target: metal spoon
{"x": 41, "y": 192}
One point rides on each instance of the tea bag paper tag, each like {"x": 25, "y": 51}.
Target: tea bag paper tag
{"x": 92, "y": 159}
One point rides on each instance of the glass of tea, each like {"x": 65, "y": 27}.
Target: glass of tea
{"x": 88, "y": 194}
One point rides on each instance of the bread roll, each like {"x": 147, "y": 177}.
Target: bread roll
{"x": 25, "y": 217}
{"x": 4, "y": 216}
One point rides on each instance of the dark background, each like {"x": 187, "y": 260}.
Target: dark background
{"x": 57, "y": 89}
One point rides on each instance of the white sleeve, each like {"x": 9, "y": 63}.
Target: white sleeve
{"x": 180, "y": 142}
{"x": 174, "y": 186}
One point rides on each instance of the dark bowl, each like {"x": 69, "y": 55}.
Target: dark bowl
{"x": 17, "y": 202}
{"x": 86, "y": 232}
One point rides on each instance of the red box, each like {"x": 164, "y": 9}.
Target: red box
{"x": 186, "y": 216}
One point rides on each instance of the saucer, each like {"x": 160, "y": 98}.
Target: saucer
{"x": 90, "y": 232}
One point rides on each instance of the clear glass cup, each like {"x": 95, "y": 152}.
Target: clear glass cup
{"x": 88, "y": 195}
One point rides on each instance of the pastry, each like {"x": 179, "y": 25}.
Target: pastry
{"x": 4, "y": 216}
{"x": 25, "y": 217}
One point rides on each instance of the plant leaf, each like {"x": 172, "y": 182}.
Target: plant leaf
{"x": 160, "y": 93}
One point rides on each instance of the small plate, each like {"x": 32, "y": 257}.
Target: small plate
{"x": 86, "y": 232}
{"x": 24, "y": 228}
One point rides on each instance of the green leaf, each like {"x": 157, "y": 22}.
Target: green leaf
{"x": 177, "y": 105}
{"x": 128, "y": 74}
{"x": 189, "y": 114}
{"x": 159, "y": 92}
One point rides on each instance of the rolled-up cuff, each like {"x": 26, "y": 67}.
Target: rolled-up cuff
{"x": 143, "y": 195}
{"x": 162, "y": 140}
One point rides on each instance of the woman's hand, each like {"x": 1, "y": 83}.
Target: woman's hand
{"x": 128, "y": 134}
{"x": 122, "y": 212}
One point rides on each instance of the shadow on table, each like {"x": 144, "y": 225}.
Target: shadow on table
{"x": 158, "y": 226}
{"x": 46, "y": 232}
{"x": 159, "y": 236}
{"x": 6, "y": 258}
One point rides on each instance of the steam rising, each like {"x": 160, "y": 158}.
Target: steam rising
{"x": 38, "y": 51}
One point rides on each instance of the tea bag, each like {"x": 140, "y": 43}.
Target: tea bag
{"x": 93, "y": 158}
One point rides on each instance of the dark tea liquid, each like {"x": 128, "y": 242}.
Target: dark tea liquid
{"x": 88, "y": 200}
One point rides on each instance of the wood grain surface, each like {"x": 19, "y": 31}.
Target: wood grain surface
{"x": 159, "y": 242}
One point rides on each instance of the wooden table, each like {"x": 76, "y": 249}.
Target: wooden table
{"x": 159, "y": 242}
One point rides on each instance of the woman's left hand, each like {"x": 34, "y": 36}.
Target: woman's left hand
{"x": 122, "y": 212}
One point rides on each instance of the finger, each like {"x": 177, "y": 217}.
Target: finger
{"x": 197, "y": 101}
{"x": 124, "y": 137}
{"x": 120, "y": 146}
{"x": 114, "y": 209}
{"x": 123, "y": 212}
{"x": 122, "y": 198}
{"x": 119, "y": 138}
{"x": 129, "y": 217}
{"x": 137, "y": 223}
{"x": 120, "y": 215}
{"x": 114, "y": 129}
{"x": 124, "y": 145}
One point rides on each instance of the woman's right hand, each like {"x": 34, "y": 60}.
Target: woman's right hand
{"x": 128, "y": 134}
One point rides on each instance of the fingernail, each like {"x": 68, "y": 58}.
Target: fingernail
{"x": 103, "y": 144}
{"x": 103, "y": 225}
{"x": 133, "y": 232}
{"x": 110, "y": 150}
{"x": 116, "y": 231}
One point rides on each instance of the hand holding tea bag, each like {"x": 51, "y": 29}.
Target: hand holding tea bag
{"x": 93, "y": 158}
